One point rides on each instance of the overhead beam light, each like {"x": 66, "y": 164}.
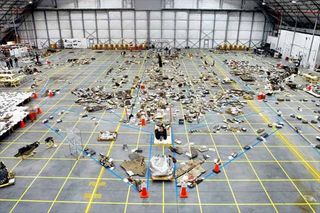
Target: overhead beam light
{"x": 264, "y": 3}
{"x": 293, "y": 1}
{"x": 30, "y": 2}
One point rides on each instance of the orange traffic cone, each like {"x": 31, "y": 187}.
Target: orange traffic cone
{"x": 144, "y": 193}
{"x": 22, "y": 124}
{"x": 216, "y": 168}
{"x": 143, "y": 121}
{"x": 183, "y": 191}
{"x": 35, "y": 95}
{"x": 50, "y": 94}
{"x": 39, "y": 111}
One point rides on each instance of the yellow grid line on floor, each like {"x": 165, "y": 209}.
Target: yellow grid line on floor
{"x": 251, "y": 104}
{"x": 86, "y": 144}
{"x": 214, "y": 144}
{"x": 43, "y": 167}
{"x": 30, "y": 126}
{"x": 239, "y": 144}
{"x": 102, "y": 169}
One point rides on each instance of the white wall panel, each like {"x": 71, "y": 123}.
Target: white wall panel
{"x": 155, "y": 15}
{"x": 102, "y": 24}
{"x": 88, "y": 15}
{"x": 167, "y": 34}
{"x": 168, "y": 15}
{"x": 39, "y": 16}
{"x": 168, "y": 24}
{"x": 141, "y": 24}
{"x": 208, "y": 16}
{"x": 181, "y": 25}
{"x": 103, "y": 34}
{"x": 115, "y": 24}
{"x": 233, "y": 25}
{"x": 209, "y": 4}
{"x": 181, "y": 15}
{"x": 89, "y": 25}
{"x": 195, "y": 25}
{"x": 181, "y": 34}
{"x": 185, "y": 3}
{"x": 76, "y": 24}
{"x": 87, "y": 3}
{"x": 111, "y": 4}
{"x": 155, "y": 34}
{"x": 207, "y": 25}
{"x": 155, "y": 24}
{"x": 102, "y": 15}
{"x": 76, "y": 15}
{"x": 142, "y": 15}
{"x": 65, "y": 3}
{"x": 219, "y": 35}
{"x": 193, "y": 34}
{"x": 65, "y": 34}
{"x": 301, "y": 46}
{"x": 40, "y": 25}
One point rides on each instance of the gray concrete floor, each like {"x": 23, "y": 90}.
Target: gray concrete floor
{"x": 276, "y": 176}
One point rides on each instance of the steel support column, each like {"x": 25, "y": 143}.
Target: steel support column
{"x": 279, "y": 30}
{"x": 83, "y": 28}
{"x": 148, "y": 27}
{"x": 214, "y": 27}
{"x": 27, "y": 33}
{"x": 46, "y": 23}
{"x": 175, "y": 29}
{"x": 200, "y": 33}
{"x": 96, "y": 23}
{"x": 294, "y": 36}
{"x": 238, "y": 32}
{"x": 135, "y": 26}
{"x": 226, "y": 32}
{"x": 59, "y": 26}
{"x": 188, "y": 26}
{"x": 264, "y": 30}
{"x": 312, "y": 40}
{"x": 121, "y": 26}
{"x": 109, "y": 32}
{"x": 35, "y": 29}
{"x": 250, "y": 38}
{"x": 70, "y": 23}
{"x": 161, "y": 27}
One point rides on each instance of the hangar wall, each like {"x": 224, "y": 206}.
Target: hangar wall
{"x": 180, "y": 23}
{"x": 298, "y": 44}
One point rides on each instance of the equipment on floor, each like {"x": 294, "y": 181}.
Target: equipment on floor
{"x": 161, "y": 167}
{"x": 107, "y": 136}
{"x": 27, "y": 150}
{"x": 6, "y": 178}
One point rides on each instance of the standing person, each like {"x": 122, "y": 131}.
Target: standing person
{"x": 11, "y": 62}
{"x": 8, "y": 63}
{"x": 16, "y": 61}
{"x": 37, "y": 58}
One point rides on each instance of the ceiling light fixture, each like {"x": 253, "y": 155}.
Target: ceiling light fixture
{"x": 264, "y": 3}
{"x": 293, "y": 1}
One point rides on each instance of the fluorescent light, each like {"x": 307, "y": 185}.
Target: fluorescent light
{"x": 293, "y": 1}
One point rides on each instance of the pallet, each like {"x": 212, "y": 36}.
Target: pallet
{"x": 162, "y": 178}
{"x": 314, "y": 94}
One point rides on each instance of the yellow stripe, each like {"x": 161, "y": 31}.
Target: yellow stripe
{"x": 102, "y": 170}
